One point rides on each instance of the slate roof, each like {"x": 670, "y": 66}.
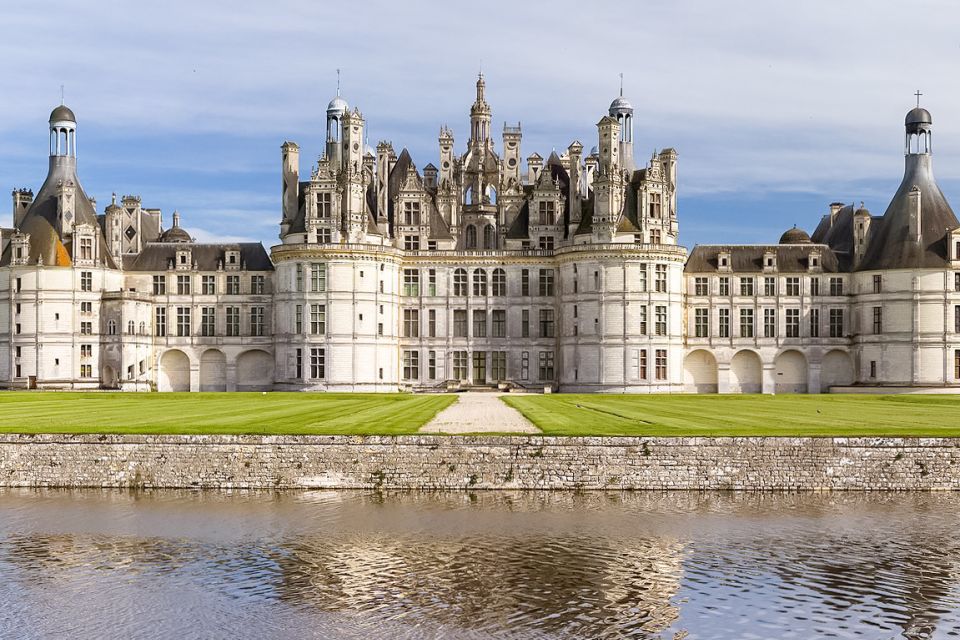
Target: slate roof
{"x": 157, "y": 256}
{"x": 791, "y": 258}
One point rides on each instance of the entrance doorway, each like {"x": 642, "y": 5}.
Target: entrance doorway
{"x": 479, "y": 367}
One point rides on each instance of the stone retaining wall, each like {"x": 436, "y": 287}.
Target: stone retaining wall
{"x": 476, "y": 462}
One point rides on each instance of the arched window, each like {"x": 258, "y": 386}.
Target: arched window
{"x": 131, "y": 325}
{"x": 491, "y": 194}
{"x": 471, "y": 237}
{"x": 460, "y": 282}
{"x": 499, "y": 283}
{"x": 479, "y": 282}
{"x": 111, "y": 327}
{"x": 489, "y": 237}
{"x": 143, "y": 328}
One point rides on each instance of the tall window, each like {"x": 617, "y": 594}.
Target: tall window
{"x": 159, "y": 285}
{"x": 160, "y": 321}
{"x": 256, "y": 321}
{"x": 86, "y": 281}
{"x": 499, "y": 282}
{"x": 836, "y": 323}
{"x": 956, "y": 318}
{"x": 498, "y": 365}
{"x": 643, "y": 320}
{"x": 411, "y": 323}
{"x": 769, "y": 323}
{"x": 878, "y": 319}
{"x": 836, "y": 286}
{"x": 546, "y": 366}
{"x": 318, "y": 319}
{"x": 208, "y": 285}
{"x": 661, "y": 364}
{"x": 479, "y": 323}
{"x": 793, "y": 286}
{"x": 660, "y": 320}
{"x": 257, "y": 284}
{"x": 814, "y": 287}
{"x": 546, "y": 323}
{"x": 411, "y": 242}
{"x": 460, "y": 282}
{"x": 460, "y": 365}
{"x": 318, "y": 277}
{"x": 656, "y": 205}
{"x": 86, "y": 248}
{"x": 524, "y": 323}
{"x": 643, "y": 364}
{"x": 700, "y": 286}
{"x": 432, "y": 365}
{"x": 233, "y": 321}
{"x": 470, "y": 240}
{"x": 701, "y": 322}
{"x": 546, "y": 282}
{"x": 746, "y": 323}
{"x": 183, "y": 285}
{"x": 298, "y": 278}
{"x": 660, "y": 281}
{"x": 525, "y": 282}
{"x": 547, "y": 212}
{"x": 431, "y": 282}
{"x": 642, "y": 285}
{"x": 724, "y": 286}
{"x": 498, "y": 328}
{"x": 877, "y": 283}
{"x": 545, "y": 243}
{"x": 793, "y": 323}
{"x": 723, "y": 323}
{"x": 459, "y": 323}
{"x": 411, "y": 282}
{"x": 432, "y": 323}
{"x": 411, "y": 214}
{"x": 208, "y": 321}
{"x": 324, "y": 205}
{"x": 298, "y": 320}
{"x": 746, "y": 286}
{"x": 956, "y": 364}
{"x": 769, "y": 286}
{"x": 318, "y": 363}
{"x": 183, "y": 321}
{"x": 655, "y": 236}
{"x": 524, "y": 365}
{"x": 814, "y": 323}
{"x": 479, "y": 282}
{"x": 411, "y": 365}
{"x": 233, "y": 285}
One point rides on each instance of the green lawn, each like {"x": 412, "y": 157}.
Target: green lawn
{"x": 742, "y": 415}
{"x": 233, "y": 413}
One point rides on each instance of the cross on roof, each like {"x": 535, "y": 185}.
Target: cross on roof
{"x": 918, "y": 94}
{"x": 621, "y": 84}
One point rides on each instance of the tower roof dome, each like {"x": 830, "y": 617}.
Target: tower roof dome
{"x": 176, "y": 233}
{"x": 620, "y": 104}
{"x": 795, "y": 236}
{"x": 62, "y": 113}
{"x": 338, "y": 105}
{"x": 918, "y": 119}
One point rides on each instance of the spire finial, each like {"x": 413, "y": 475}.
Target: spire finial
{"x": 621, "y": 84}
{"x": 918, "y": 94}
{"x": 61, "y": 94}
{"x": 338, "y": 83}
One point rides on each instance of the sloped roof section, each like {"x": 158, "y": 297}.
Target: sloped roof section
{"x": 791, "y": 258}
{"x": 158, "y": 256}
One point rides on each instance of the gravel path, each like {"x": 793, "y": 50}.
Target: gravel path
{"x": 477, "y": 413}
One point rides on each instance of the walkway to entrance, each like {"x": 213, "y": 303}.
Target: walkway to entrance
{"x": 479, "y": 412}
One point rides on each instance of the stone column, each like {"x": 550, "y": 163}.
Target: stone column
{"x": 723, "y": 377}
{"x": 813, "y": 378}
{"x": 194, "y": 376}
{"x": 231, "y": 376}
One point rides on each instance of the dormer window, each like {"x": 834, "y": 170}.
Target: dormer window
{"x": 723, "y": 261}
{"x": 21, "y": 248}
{"x": 547, "y": 212}
{"x": 769, "y": 261}
{"x": 183, "y": 260}
{"x": 232, "y": 259}
{"x": 411, "y": 214}
{"x": 815, "y": 263}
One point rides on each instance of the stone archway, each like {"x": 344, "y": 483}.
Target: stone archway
{"x": 746, "y": 372}
{"x": 700, "y": 372}
{"x": 108, "y": 377}
{"x": 255, "y": 371}
{"x": 213, "y": 371}
{"x": 836, "y": 370}
{"x": 174, "y": 372}
{"x": 790, "y": 372}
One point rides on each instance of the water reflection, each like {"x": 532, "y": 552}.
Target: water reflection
{"x": 103, "y": 564}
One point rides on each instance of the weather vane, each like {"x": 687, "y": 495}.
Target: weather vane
{"x": 338, "y": 83}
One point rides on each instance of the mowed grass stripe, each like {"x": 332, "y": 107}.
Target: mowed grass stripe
{"x": 742, "y": 415}
{"x": 223, "y": 413}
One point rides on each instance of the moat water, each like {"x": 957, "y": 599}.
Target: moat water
{"x": 169, "y": 564}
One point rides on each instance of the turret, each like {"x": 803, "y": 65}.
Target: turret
{"x": 861, "y": 233}
{"x": 511, "y": 153}
{"x": 622, "y": 111}
{"x": 385, "y": 159}
{"x": 446, "y": 154}
{"x": 290, "y": 187}
{"x": 609, "y": 133}
{"x": 480, "y": 116}
{"x": 534, "y": 166}
{"x": 574, "y": 152}
{"x": 335, "y": 113}
{"x": 22, "y": 199}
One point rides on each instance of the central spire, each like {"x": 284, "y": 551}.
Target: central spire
{"x": 480, "y": 115}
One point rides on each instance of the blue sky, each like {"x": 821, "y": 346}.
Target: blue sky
{"x": 775, "y": 108}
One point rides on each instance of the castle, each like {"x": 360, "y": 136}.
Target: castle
{"x": 565, "y": 276}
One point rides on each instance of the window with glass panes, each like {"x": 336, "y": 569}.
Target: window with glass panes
{"x": 836, "y": 286}
{"x": 208, "y": 321}
{"x": 498, "y": 323}
{"x": 208, "y": 285}
{"x": 643, "y": 364}
{"x": 642, "y": 285}
{"x": 432, "y": 365}
{"x": 814, "y": 287}
{"x": 769, "y": 286}
{"x": 660, "y": 277}
{"x": 546, "y": 323}
{"x": 878, "y": 319}
{"x": 324, "y": 205}
{"x": 723, "y": 322}
{"x": 257, "y": 326}
{"x": 411, "y": 323}
{"x": 547, "y": 212}
{"x": 479, "y": 282}
{"x": 86, "y": 281}
{"x": 724, "y": 285}
{"x": 233, "y": 321}
{"x": 814, "y": 322}
{"x": 546, "y": 282}
{"x": 546, "y": 365}
{"x": 498, "y": 365}
{"x": 318, "y": 363}
{"x": 431, "y": 282}
{"x": 411, "y": 214}
{"x": 257, "y": 284}
{"x": 524, "y": 323}
{"x": 746, "y": 286}
{"x": 700, "y": 286}
{"x": 411, "y": 282}
{"x": 661, "y": 364}
{"x": 877, "y": 283}
{"x": 183, "y": 321}
{"x": 769, "y": 323}
{"x": 524, "y": 282}
{"x": 432, "y": 323}
{"x": 660, "y": 320}
{"x": 318, "y": 277}
{"x": 746, "y": 323}
{"x": 159, "y": 285}
{"x": 836, "y": 323}
{"x": 160, "y": 322}
{"x": 459, "y": 323}
{"x": 701, "y": 322}
{"x": 793, "y": 286}
{"x": 460, "y": 282}
{"x": 233, "y": 285}
{"x": 318, "y": 319}
{"x": 793, "y": 323}
{"x": 411, "y": 365}
{"x": 460, "y": 365}
{"x": 298, "y": 319}
{"x": 499, "y": 283}
{"x": 183, "y": 285}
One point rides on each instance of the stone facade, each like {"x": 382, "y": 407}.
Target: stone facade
{"x": 475, "y": 463}
{"x": 477, "y": 273}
